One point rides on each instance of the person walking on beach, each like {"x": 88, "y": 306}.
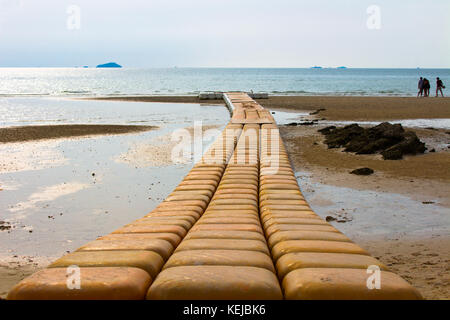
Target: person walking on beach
{"x": 439, "y": 87}
{"x": 426, "y": 87}
{"x": 420, "y": 87}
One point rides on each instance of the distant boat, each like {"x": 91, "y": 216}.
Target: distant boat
{"x": 109, "y": 65}
{"x": 316, "y": 67}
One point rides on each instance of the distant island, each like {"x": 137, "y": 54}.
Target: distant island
{"x": 341, "y": 68}
{"x": 316, "y": 67}
{"x": 109, "y": 65}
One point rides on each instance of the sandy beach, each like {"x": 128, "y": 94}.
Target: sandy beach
{"x": 363, "y": 108}
{"x": 424, "y": 179}
{"x": 30, "y": 133}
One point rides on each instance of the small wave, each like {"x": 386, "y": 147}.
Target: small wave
{"x": 291, "y": 92}
{"x": 76, "y": 91}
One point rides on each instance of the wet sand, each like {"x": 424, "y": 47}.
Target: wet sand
{"x": 30, "y": 133}
{"x": 14, "y": 271}
{"x": 364, "y": 108}
{"x": 307, "y": 150}
{"x": 425, "y": 263}
{"x": 158, "y": 153}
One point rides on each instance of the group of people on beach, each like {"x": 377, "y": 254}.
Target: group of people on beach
{"x": 424, "y": 87}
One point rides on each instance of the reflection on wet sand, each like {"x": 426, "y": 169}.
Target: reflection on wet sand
{"x": 157, "y": 152}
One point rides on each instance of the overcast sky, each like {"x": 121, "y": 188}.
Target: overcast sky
{"x": 225, "y": 33}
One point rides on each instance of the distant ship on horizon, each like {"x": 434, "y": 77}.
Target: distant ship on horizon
{"x": 318, "y": 67}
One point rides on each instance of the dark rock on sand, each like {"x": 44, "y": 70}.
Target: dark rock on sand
{"x": 5, "y": 227}
{"x": 304, "y": 123}
{"x": 327, "y": 130}
{"x": 363, "y": 171}
{"x": 308, "y": 123}
{"x": 391, "y": 140}
{"x": 409, "y": 145}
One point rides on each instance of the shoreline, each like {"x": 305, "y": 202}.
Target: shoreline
{"x": 351, "y": 108}
{"x": 162, "y": 99}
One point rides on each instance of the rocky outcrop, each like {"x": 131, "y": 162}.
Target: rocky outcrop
{"x": 390, "y": 140}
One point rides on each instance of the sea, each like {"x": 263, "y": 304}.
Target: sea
{"x": 191, "y": 81}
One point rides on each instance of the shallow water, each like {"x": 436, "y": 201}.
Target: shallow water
{"x": 60, "y": 194}
{"x": 372, "y": 214}
{"x": 15, "y": 111}
{"x": 284, "y": 117}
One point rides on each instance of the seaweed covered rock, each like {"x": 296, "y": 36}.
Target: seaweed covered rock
{"x": 339, "y": 137}
{"x": 409, "y": 145}
{"x": 391, "y": 140}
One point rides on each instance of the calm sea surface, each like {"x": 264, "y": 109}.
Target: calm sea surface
{"x": 179, "y": 81}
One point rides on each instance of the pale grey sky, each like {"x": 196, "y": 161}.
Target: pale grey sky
{"x": 225, "y": 33}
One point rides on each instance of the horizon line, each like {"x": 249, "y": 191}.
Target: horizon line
{"x": 209, "y": 67}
